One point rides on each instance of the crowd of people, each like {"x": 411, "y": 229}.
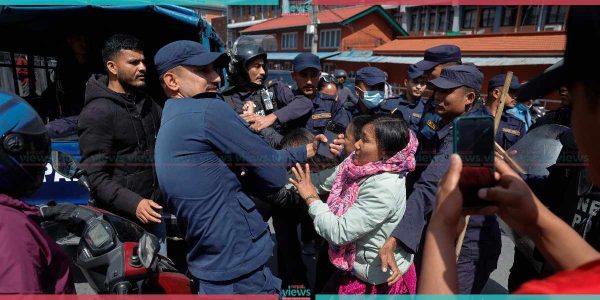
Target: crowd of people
{"x": 384, "y": 206}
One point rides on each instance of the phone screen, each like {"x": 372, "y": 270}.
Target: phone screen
{"x": 474, "y": 142}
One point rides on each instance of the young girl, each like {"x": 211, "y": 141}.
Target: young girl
{"x": 367, "y": 200}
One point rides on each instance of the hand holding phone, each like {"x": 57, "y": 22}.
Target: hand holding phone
{"x": 332, "y": 130}
{"x": 474, "y": 142}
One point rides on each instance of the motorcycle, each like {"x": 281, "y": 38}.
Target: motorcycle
{"x": 115, "y": 255}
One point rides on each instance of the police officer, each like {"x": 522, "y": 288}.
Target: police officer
{"x": 344, "y": 93}
{"x": 200, "y": 137}
{"x": 409, "y": 103}
{"x": 370, "y": 89}
{"x": 455, "y": 90}
{"x": 325, "y": 108}
{"x": 510, "y": 129}
{"x": 434, "y": 61}
{"x": 273, "y": 101}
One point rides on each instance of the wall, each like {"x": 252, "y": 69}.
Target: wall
{"x": 366, "y": 33}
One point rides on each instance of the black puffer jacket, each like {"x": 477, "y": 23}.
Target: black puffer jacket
{"x": 117, "y": 133}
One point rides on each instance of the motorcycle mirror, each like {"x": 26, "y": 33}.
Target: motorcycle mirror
{"x": 147, "y": 249}
{"x": 64, "y": 164}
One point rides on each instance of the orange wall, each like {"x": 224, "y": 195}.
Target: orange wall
{"x": 366, "y": 33}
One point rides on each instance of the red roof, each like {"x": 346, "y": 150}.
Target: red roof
{"x": 537, "y": 43}
{"x": 325, "y": 17}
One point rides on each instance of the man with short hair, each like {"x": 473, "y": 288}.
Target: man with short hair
{"x": 511, "y": 198}
{"x": 200, "y": 142}
{"x": 117, "y": 133}
{"x": 409, "y": 103}
{"x": 457, "y": 88}
{"x": 510, "y": 129}
{"x": 326, "y": 108}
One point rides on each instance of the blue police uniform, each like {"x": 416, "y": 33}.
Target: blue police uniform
{"x": 283, "y": 102}
{"x": 326, "y": 108}
{"x": 199, "y": 140}
{"x": 482, "y": 244}
{"x": 510, "y": 129}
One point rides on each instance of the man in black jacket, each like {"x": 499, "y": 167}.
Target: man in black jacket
{"x": 117, "y": 132}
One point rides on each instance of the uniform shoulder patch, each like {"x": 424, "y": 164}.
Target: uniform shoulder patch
{"x": 321, "y": 116}
{"x": 416, "y": 115}
{"x": 432, "y": 124}
{"x": 511, "y": 131}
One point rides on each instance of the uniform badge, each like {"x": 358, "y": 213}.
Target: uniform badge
{"x": 511, "y": 131}
{"x": 431, "y": 124}
{"x": 321, "y": 116}
{"x": 416, "y": 115}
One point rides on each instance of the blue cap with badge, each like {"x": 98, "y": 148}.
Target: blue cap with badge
{"x": 498, "y": 81}
{"x": 306, "y": 60}
{"x": 370, "y": 75}
{"x": 414, "y": 72}
{"x": 187, "y": 53}
{"x": 439, "y": 55}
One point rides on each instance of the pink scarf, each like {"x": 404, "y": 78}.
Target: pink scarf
{"x": 346, "y": 188}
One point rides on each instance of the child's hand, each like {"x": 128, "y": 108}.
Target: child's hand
{"x": 303, "y": 184}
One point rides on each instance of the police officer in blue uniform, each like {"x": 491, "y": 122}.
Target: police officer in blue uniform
{"x": 510, "y": 129}
{"x": 325, "y": 108}
{"x": 274, "y": 102}
{"x": 370, "y": 89}
{"x": 456, "y": 90}
{"x": 199, "y": 139}
{"x": 410, "y": 104}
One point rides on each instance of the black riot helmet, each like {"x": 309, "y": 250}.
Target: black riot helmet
{"x": 24, "y": 147}
{"x": 244, "y": 50}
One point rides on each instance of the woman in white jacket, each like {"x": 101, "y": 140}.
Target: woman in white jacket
{"x": 367, "y": 200}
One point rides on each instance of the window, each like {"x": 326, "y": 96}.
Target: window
{"x": 468, "y": 20}
{"x": 531, "y": 15}
{"x": 308, "y": 38}
{"x": 327, "y": 67}
{"x": 432, "y": 17}
{"x": 509, "y": 15}
{"x": 414, "y": 26}
{"x": 240, "y": 13}
{"x": 555, "y": 14}
{"x": 442, "y": 20}
{"x": 288, "y": 40}
{"x": 26, "y": 75}
{"x": 253, "y": 11}
{"x": 487, "y": 17}
{"x": 330, "y": 38}
{"x": 423, "y": 19}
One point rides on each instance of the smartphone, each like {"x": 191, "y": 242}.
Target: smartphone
{"x": 474, "y": 140}
{"x": 332, "y": 130}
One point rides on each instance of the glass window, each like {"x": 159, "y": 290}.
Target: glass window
{"x": 330, "y": 38}
{"x": 432, "y": 16}
{"x": 442, "y": 20}
{"x": 469, "y": 18}
{"x": 414, "y": 26}
{"x": 509, "y": 15}
{"x": 531, "y": 15}
{"x": 487, "y": 17}
{"x": 555, "y": 14}
{"x": 288, "y": 40}
{"x": 308, "y": 40}
{"x": 423, "y": 19}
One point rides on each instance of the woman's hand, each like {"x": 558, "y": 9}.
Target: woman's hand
{"x": 312, "y": 148}
{"x": 303, "y": 184}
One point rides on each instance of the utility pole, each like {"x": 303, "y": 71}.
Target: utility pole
{"x": 315, "y": 32}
